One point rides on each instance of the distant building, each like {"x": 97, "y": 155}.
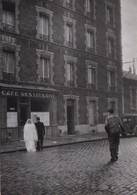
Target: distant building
{"x": 129, "y": 93}
{"x": 60, "y": 60}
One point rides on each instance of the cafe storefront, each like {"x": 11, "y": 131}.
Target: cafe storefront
{"x": 19, "y": 104}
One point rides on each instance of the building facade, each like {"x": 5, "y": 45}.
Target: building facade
{"x": 60, "y": 60}
{"x": 129, "y": 93}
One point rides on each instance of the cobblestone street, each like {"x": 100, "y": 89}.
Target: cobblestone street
{"x": 78, "y": 169}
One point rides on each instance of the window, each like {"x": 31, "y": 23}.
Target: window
{"x": 8, "y": 61}
{"x": 45, "y": 64}
{"x": 110, "y": 48}
{"x": 12, "y": 112}
{"x": 90, "y": 8}
{"x": 44, "y": 69}
{"x": 8, "y": 16}
{"x": 90, "y": 41}
{"x": 113, "y": 106}
{"x": 70, "y": 70}
{"x": 133, "y": 98}
{"x": 91, "y": 77}
{"x": 69, "y": 35}
{"x": 69, "y": 3}
{"x": 92, "y": 110}
{"x": 8, "y": 65}
{"x": 70, "y": 74}
{"x": 89, "y": 4}
{"x": 90, "y": 38}
{"x": 69, "y": 32}
{"x": 91, "y": 69}
{"x": 109, "y": 13}
{"x": 44, "y": 26}
{"x": 111, "y": 80}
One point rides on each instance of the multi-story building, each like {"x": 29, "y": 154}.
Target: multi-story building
{"x": 60, "y": 60}
{"x": 129, "y": 92}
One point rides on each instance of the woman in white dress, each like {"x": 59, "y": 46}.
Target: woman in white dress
{"x": 30, "y": 136}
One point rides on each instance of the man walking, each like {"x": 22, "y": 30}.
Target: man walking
{"x": 41, "y": 132}
{"x": 113, "y": 127}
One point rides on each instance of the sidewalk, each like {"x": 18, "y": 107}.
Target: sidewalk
{"x": 14, "y": 146}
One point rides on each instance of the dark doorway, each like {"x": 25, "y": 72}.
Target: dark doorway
{"x": 23, "y": 114}
{"x": 70, "y": 119}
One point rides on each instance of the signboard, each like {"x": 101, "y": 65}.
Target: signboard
{"x": 12, "y": 119}
{"x": 6, "y": 92}
{"x": 44, "y": 117}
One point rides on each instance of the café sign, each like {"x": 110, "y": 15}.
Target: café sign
{"x": 5, "y": 92}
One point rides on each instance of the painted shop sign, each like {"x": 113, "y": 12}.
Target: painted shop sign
{"x": 5, "y": 92}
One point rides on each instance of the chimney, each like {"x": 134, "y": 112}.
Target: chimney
{"x": 134, "y": 70}
{"x": 130, "y": 69}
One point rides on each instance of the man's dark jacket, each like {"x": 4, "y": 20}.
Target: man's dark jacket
{"x": 40, "y": 129}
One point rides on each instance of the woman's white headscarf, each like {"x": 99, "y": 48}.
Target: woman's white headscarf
{"x": 30, "y": 132}
{"x": 29, "y": 121}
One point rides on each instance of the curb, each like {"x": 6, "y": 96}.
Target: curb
{"x": 56, "y": 145}
{"x": 67, "y": 143}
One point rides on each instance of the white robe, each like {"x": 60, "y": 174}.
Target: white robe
{"x": 30, "y": 137}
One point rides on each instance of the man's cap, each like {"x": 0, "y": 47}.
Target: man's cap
{"x": 110, "y": 110}
{"x": 38, "y": 118}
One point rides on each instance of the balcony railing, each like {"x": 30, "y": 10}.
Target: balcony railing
{"x": 69, "y": 44}
{"x": 69, "y": 5}
{"x": 70, "y": 83}
{"x": 44, "y": 80}
{"x": 90, "y": 49}
{"x": 8, "y": 76}
{"x": 91, "y": 85}
{"x": 90, "y": 14}
{"x": 44, "y": 37}
{"x": 8, "y": 27}
{"x": 112, "y": 88}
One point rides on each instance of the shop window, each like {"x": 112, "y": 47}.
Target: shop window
{"x": 12, "y": 112}
{"x": 11, "y": 104}
{"x": 8, "y": 65}
{"x": 40, "y": 108}
{"x": 8, "y": 16}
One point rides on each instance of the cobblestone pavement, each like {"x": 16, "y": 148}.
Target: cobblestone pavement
{"x": 78, "y": 169}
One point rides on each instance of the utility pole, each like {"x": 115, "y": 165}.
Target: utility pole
{"x": 134, "y": 70}
{"x": 132, "y": 64}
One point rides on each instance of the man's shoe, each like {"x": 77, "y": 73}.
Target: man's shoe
{"x": 112, "y": 160}
{"x": 116, "y": 158}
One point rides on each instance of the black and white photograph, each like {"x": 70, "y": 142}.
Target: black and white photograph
{"x": 68, "y": 97}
